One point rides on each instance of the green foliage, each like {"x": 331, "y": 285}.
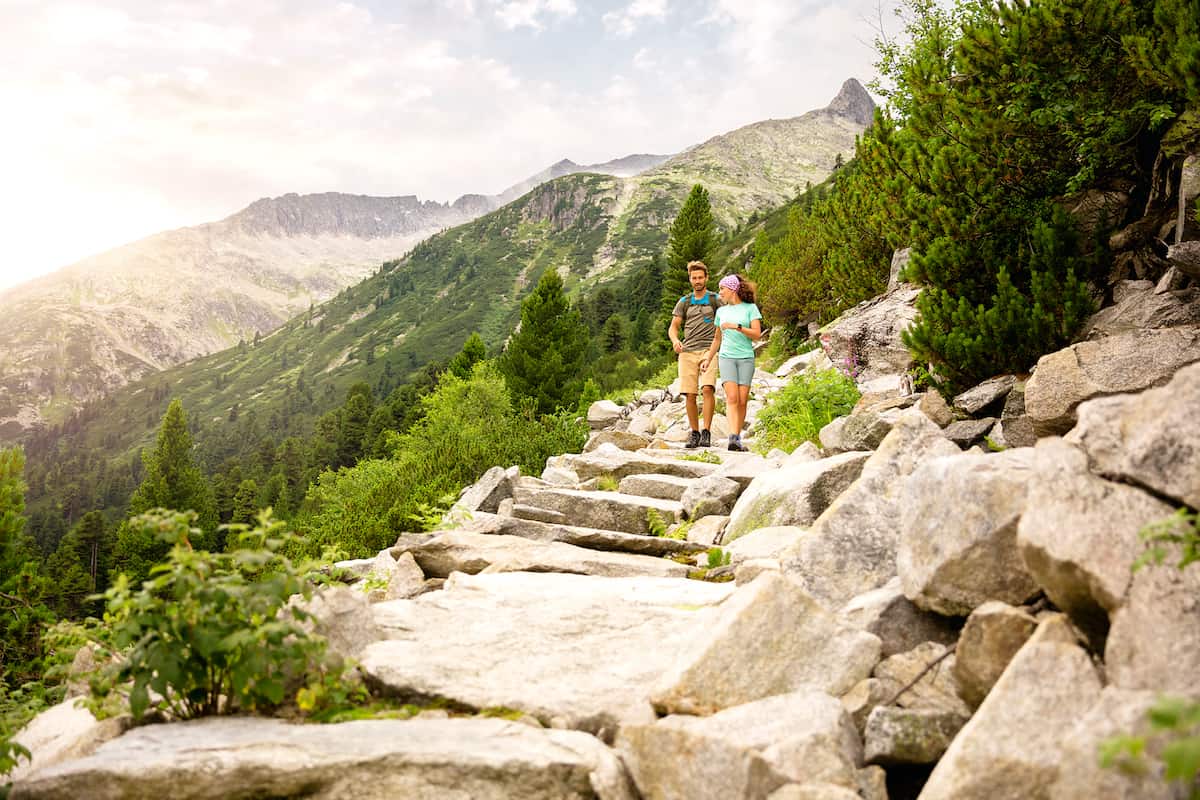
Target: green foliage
{"x": 693, "y": 237}
{"x": 545, "y": 359}
{"x": 1178, "y": 534}
{"x": 796, "y": 413}
{"x": 655, "y": 523}
{"x": 205, "y": 634}
{"x": 17, "y": 707}
{"x": 607, "y": 483}
{"x": 704, "y": 457}
{"x": 997, "y": 113}
{"x": 23, "y": 611}
{"x": 473, "y": 351}
{"x": 468, "y": 427}
{"x": 717, "y": 557}
{"x": 172, "y": 480}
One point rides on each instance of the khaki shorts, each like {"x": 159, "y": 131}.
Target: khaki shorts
{"x": 690, "y": 379}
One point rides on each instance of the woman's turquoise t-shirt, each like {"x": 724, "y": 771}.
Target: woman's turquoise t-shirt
{"x": 735, "y": 344}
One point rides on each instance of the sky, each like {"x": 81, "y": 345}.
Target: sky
{"x": 123, "y": 118}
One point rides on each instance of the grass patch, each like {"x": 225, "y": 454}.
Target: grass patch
{"x": 797, "y": 412}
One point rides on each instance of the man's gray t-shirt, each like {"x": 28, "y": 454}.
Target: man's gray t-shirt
{"x": 699, "y": 325}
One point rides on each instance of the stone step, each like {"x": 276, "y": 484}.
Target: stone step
{"x": 591, "y": 538}
{"x": 483, "y": 758}
{"x": 611, "y": 460}
{"x": 664, "y": 487}
{"x": 574, "y": 651}
{"x": 471, "y": 553}
{"x": 608, "y": 510}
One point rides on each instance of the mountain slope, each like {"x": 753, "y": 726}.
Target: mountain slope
{"x": 589, "y": 227}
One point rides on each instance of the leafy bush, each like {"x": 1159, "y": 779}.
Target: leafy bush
{"x": 468, "y": 427}
{"x": 796, "y": 413}
{"x": 204, "y": 634}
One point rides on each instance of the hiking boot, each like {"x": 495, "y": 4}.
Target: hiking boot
{"x": 693, "y": 440}
{"x": 705, "y": 438}
{"x": 735, "y": 444}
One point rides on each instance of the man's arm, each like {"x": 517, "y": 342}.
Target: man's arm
{"x": 673, "y": 333}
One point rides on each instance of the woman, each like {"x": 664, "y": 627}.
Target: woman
{"x": 739, "y": 325}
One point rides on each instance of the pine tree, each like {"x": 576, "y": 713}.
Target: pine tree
{"x": 172, "y": 480}
{"x": 545, "y": 359}
{"x": 353, "y": 419}
{"x": 693, "y": 237}
{"x": 612, "y": 338}
{"x": 245, "y": 503}
{"x": 981, "y": 189}
{"x": 473, "y": 351}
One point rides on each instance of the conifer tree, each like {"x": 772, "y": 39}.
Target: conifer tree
{"x": 172, "y": 480}
{"x": 981, "y": 188}
{"x": 86, "y": 553}
{"x": 545, "y": 359}
{"x": 693, "y": 237}
{"x": 473, "y": 351}
{"x": 353, "y": 419}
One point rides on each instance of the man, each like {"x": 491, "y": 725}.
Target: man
{"x": 694, "y": 317}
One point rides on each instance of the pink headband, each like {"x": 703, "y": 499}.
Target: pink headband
{"x": 730, "y": 282}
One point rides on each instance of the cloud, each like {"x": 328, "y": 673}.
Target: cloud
{"x": 514, "y": 14}
{"x": 129, "y": 116}
{"x": 624, "y": 23}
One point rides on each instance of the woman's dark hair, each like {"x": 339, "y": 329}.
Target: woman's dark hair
{"x": 746, "y": 289}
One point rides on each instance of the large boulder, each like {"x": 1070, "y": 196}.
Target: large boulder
{"x": 897, "y": 735}
{"x": 486, "y": 493}
{"x": 574, "y": 651}
{"x": 992, "y": 635}
{"x": 1079, "y": 537}
{"x": 899, "y": 624}
{"x": 469, "y": 552}
{"x": 626, "y": 440}
{"x": 1141, "y": 308}
{"x": 1127, "y": 362}
{"x": 794, "y": 495}
{"x": 1154, "y": 641}
{"x": 608, "y": 459}
{"x": 851, "y": 547}
{"x": 63, "y": 733}
{"x": 1149, "y": 439}
{"x": 769, "y": 638}
{"x": 610, "y": 510}
{"x": 745, "y": 751}
{"x": 1013, "y": 745}
{"x": 344, "y": 617}
{"x": 958, "y": 532}
{"x": 866, "y": 341}
{"x": 986, "y": 394}
{"x": 714, "y": 494}
{"x": 591, "y": 538}
{"x": 242, "y": 757}
{"x": 602, "y": 413}
{"x": 923, "y": 679}
{"x": 1118, "y": 712}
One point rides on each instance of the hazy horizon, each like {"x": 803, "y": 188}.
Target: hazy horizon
{"x": 132, "y": 118}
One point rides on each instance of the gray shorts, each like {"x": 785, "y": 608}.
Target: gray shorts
{"x": 736, "y": 370}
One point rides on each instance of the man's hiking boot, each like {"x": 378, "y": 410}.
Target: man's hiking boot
{"x": 693, "y": 440}
{"x": 706, "y": 438}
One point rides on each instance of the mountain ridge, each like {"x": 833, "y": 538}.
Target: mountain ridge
{"x": 63, "y": 351}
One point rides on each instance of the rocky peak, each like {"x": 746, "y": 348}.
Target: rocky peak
{"x": 336, "y": 213}
{"x": 853, "y": 102}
